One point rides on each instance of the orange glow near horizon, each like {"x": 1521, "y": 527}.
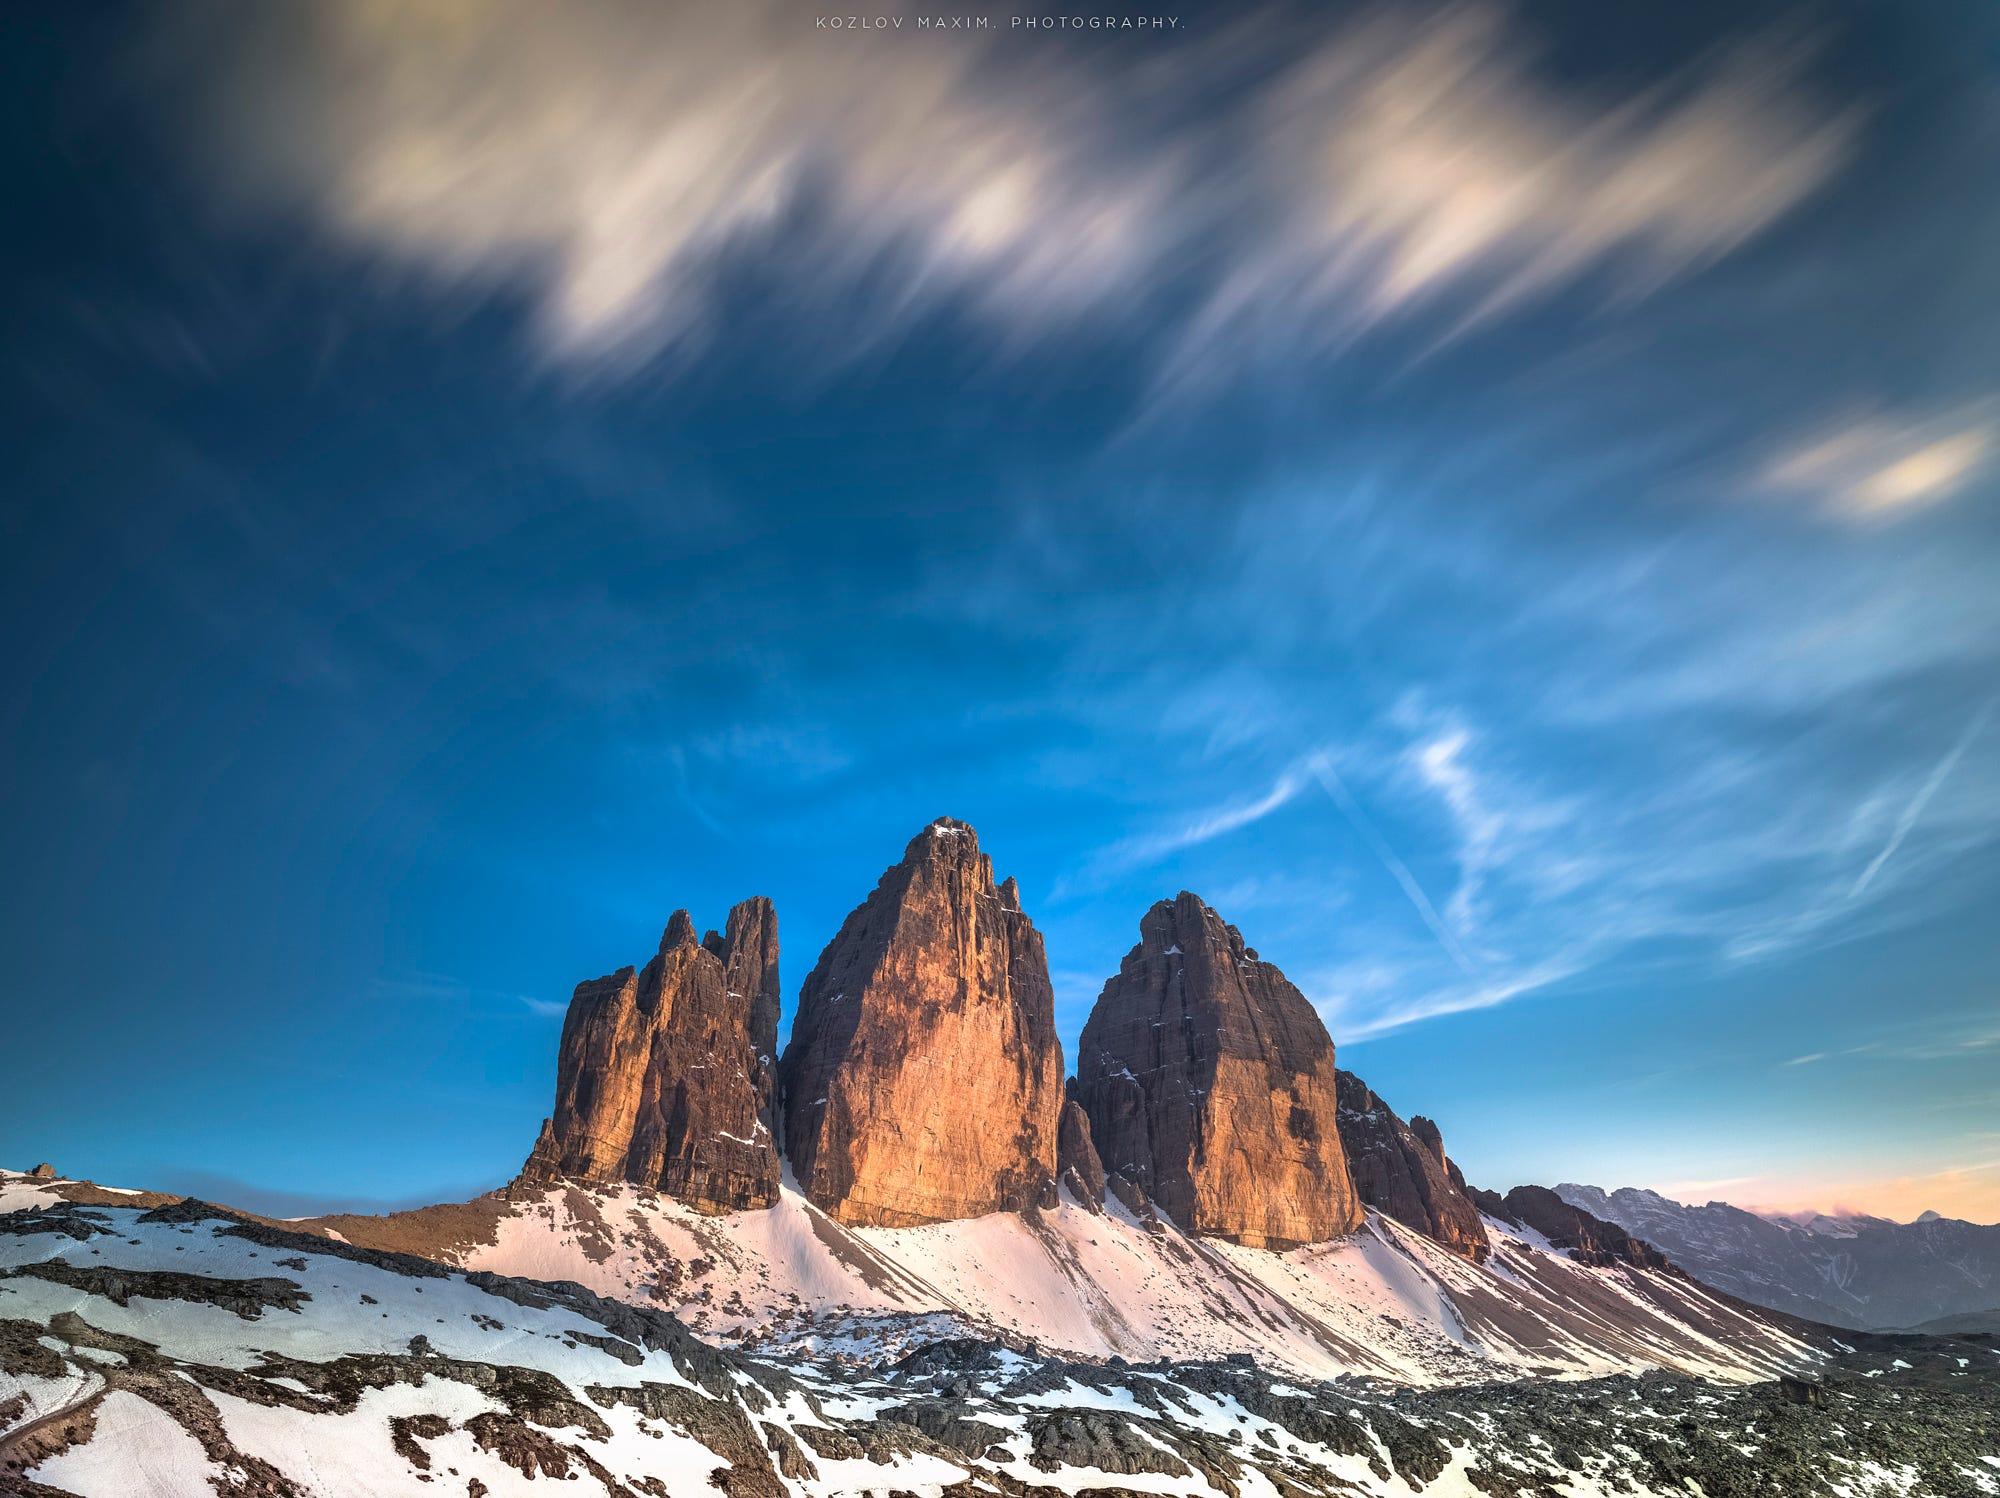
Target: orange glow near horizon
{"x": 1971, "y": 1192}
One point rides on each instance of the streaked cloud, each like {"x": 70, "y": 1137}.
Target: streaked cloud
{"x": 1922, "y": 798}
{"x": 1875, "y": 464}
{"x": 609, "y": 163}
{"x": 1330, "y": 780}
{"x": 604, "y": 160}
{"x": 1356, "y": 1018}
{"x": 1203, "y": 826}
{"x": 1428, "y": 161}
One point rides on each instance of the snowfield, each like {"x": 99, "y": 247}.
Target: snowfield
{"x": 152, "y": 1348}
{"x": 1387, "y": 1302}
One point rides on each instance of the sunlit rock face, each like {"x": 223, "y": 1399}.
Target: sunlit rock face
{"x": 924, "y": 1079}
{"x": 1208, "y": 1080}
{"x": 1401, "y": 1169}
{"x": 665, "y": 1076}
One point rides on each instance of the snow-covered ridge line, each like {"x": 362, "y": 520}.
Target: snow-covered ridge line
{"x": 1385, "y": 1302}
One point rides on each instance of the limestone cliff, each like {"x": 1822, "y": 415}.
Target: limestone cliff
{"x": 924, "y": 1080}
{"x": 664, "y": 1074}
{"x": 1208, "y": 1080}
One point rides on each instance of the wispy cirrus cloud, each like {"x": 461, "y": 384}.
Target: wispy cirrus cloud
{"x": 610, "y": 164}
{"x": 1426, "y": 161}
{"x": 1876, "y": 464}
{"x": 1925, "y": 793}
{"x": 1203, "y": 826}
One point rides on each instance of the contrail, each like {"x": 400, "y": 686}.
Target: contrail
{"x": 1922, "y": 799}
{"x": 1334, "y": 786}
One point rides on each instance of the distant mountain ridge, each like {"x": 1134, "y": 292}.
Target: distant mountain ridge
{"x": 1862, "y": 1272}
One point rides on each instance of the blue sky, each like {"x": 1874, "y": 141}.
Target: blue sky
{"x": 1500, "y": 503}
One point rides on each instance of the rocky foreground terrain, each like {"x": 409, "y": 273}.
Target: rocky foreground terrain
{"x": 178, "y": 1348}
{"x": 908, "y": 1256}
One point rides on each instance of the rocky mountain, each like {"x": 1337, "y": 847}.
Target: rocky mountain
{"x": 1401, "y": 1169}
{"x": 924, "y": 1079}
{"x": 664, "y": 1076}
{"x": 1209, "y": 1083}
{"x": 158, "y": 1348}
{"x": 1865, "y": 1273}
{"x": 1210, "y": 1264}
{"x": 1585, "y": 1237}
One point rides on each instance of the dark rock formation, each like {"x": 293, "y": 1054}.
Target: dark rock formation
{"x": 44, "y": 1172}
{"x": 664, "y": 1077}
{"x": 1077, "y": 1164}
{"x": 747, "y": 948}
{"x": 1400, "y": 1169}
{"x": 1209, "y": 1083}
{"x": 1589, "y": 1239}
{"x": 924, "y": 1079}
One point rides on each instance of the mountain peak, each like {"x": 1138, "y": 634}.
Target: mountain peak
{"x": 924, "y": 1078}
{"x": 1209, "y": 1084}
{"x": 664, "y": 1077}
{"x": 947, "y": 837}
{"x": 1401, "y": 1169}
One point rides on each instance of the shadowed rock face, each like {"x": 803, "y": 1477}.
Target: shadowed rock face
{"x": 664, "y": 1077}
{"x": 1589, "y": 1239}
{"x": 1209, "y": 1082}
{"x": 924, "y": 1079}
{"x": 1077, "y": 1163}
{"x": 1400, "y": 1169}
{"x": 747, "y": 948}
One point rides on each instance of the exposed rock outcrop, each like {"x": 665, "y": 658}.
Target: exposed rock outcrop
{"x": 1077, "y": 1164}
{"x": 1589, "y": 1239}
{"x": 1209, "y": 1083}
{"x": 1400, "y": 1169}
{"x": 747, "y": 948}
{"x": 924, "y": 1079}
{"x": 664, "y": 1076}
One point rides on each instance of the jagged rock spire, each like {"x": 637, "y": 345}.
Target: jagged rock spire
{"x": 924, "y": 1079}
{"x": 664, "y": 1076}
{"x": 1400, "y": 1169}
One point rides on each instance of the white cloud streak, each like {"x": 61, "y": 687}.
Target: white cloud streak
{"x": 1336, "y": 788}
{"x": 1150, "y": 848}
{"x": 1426, "y": 162}
{"x": 1875, "y": 464}
{"x": 1913, "y": 812}
{"x": 607, "y": 160}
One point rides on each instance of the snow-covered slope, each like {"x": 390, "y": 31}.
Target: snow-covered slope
{"x": 173, "y": 1349}
{"x": 1386, "y": 1302}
